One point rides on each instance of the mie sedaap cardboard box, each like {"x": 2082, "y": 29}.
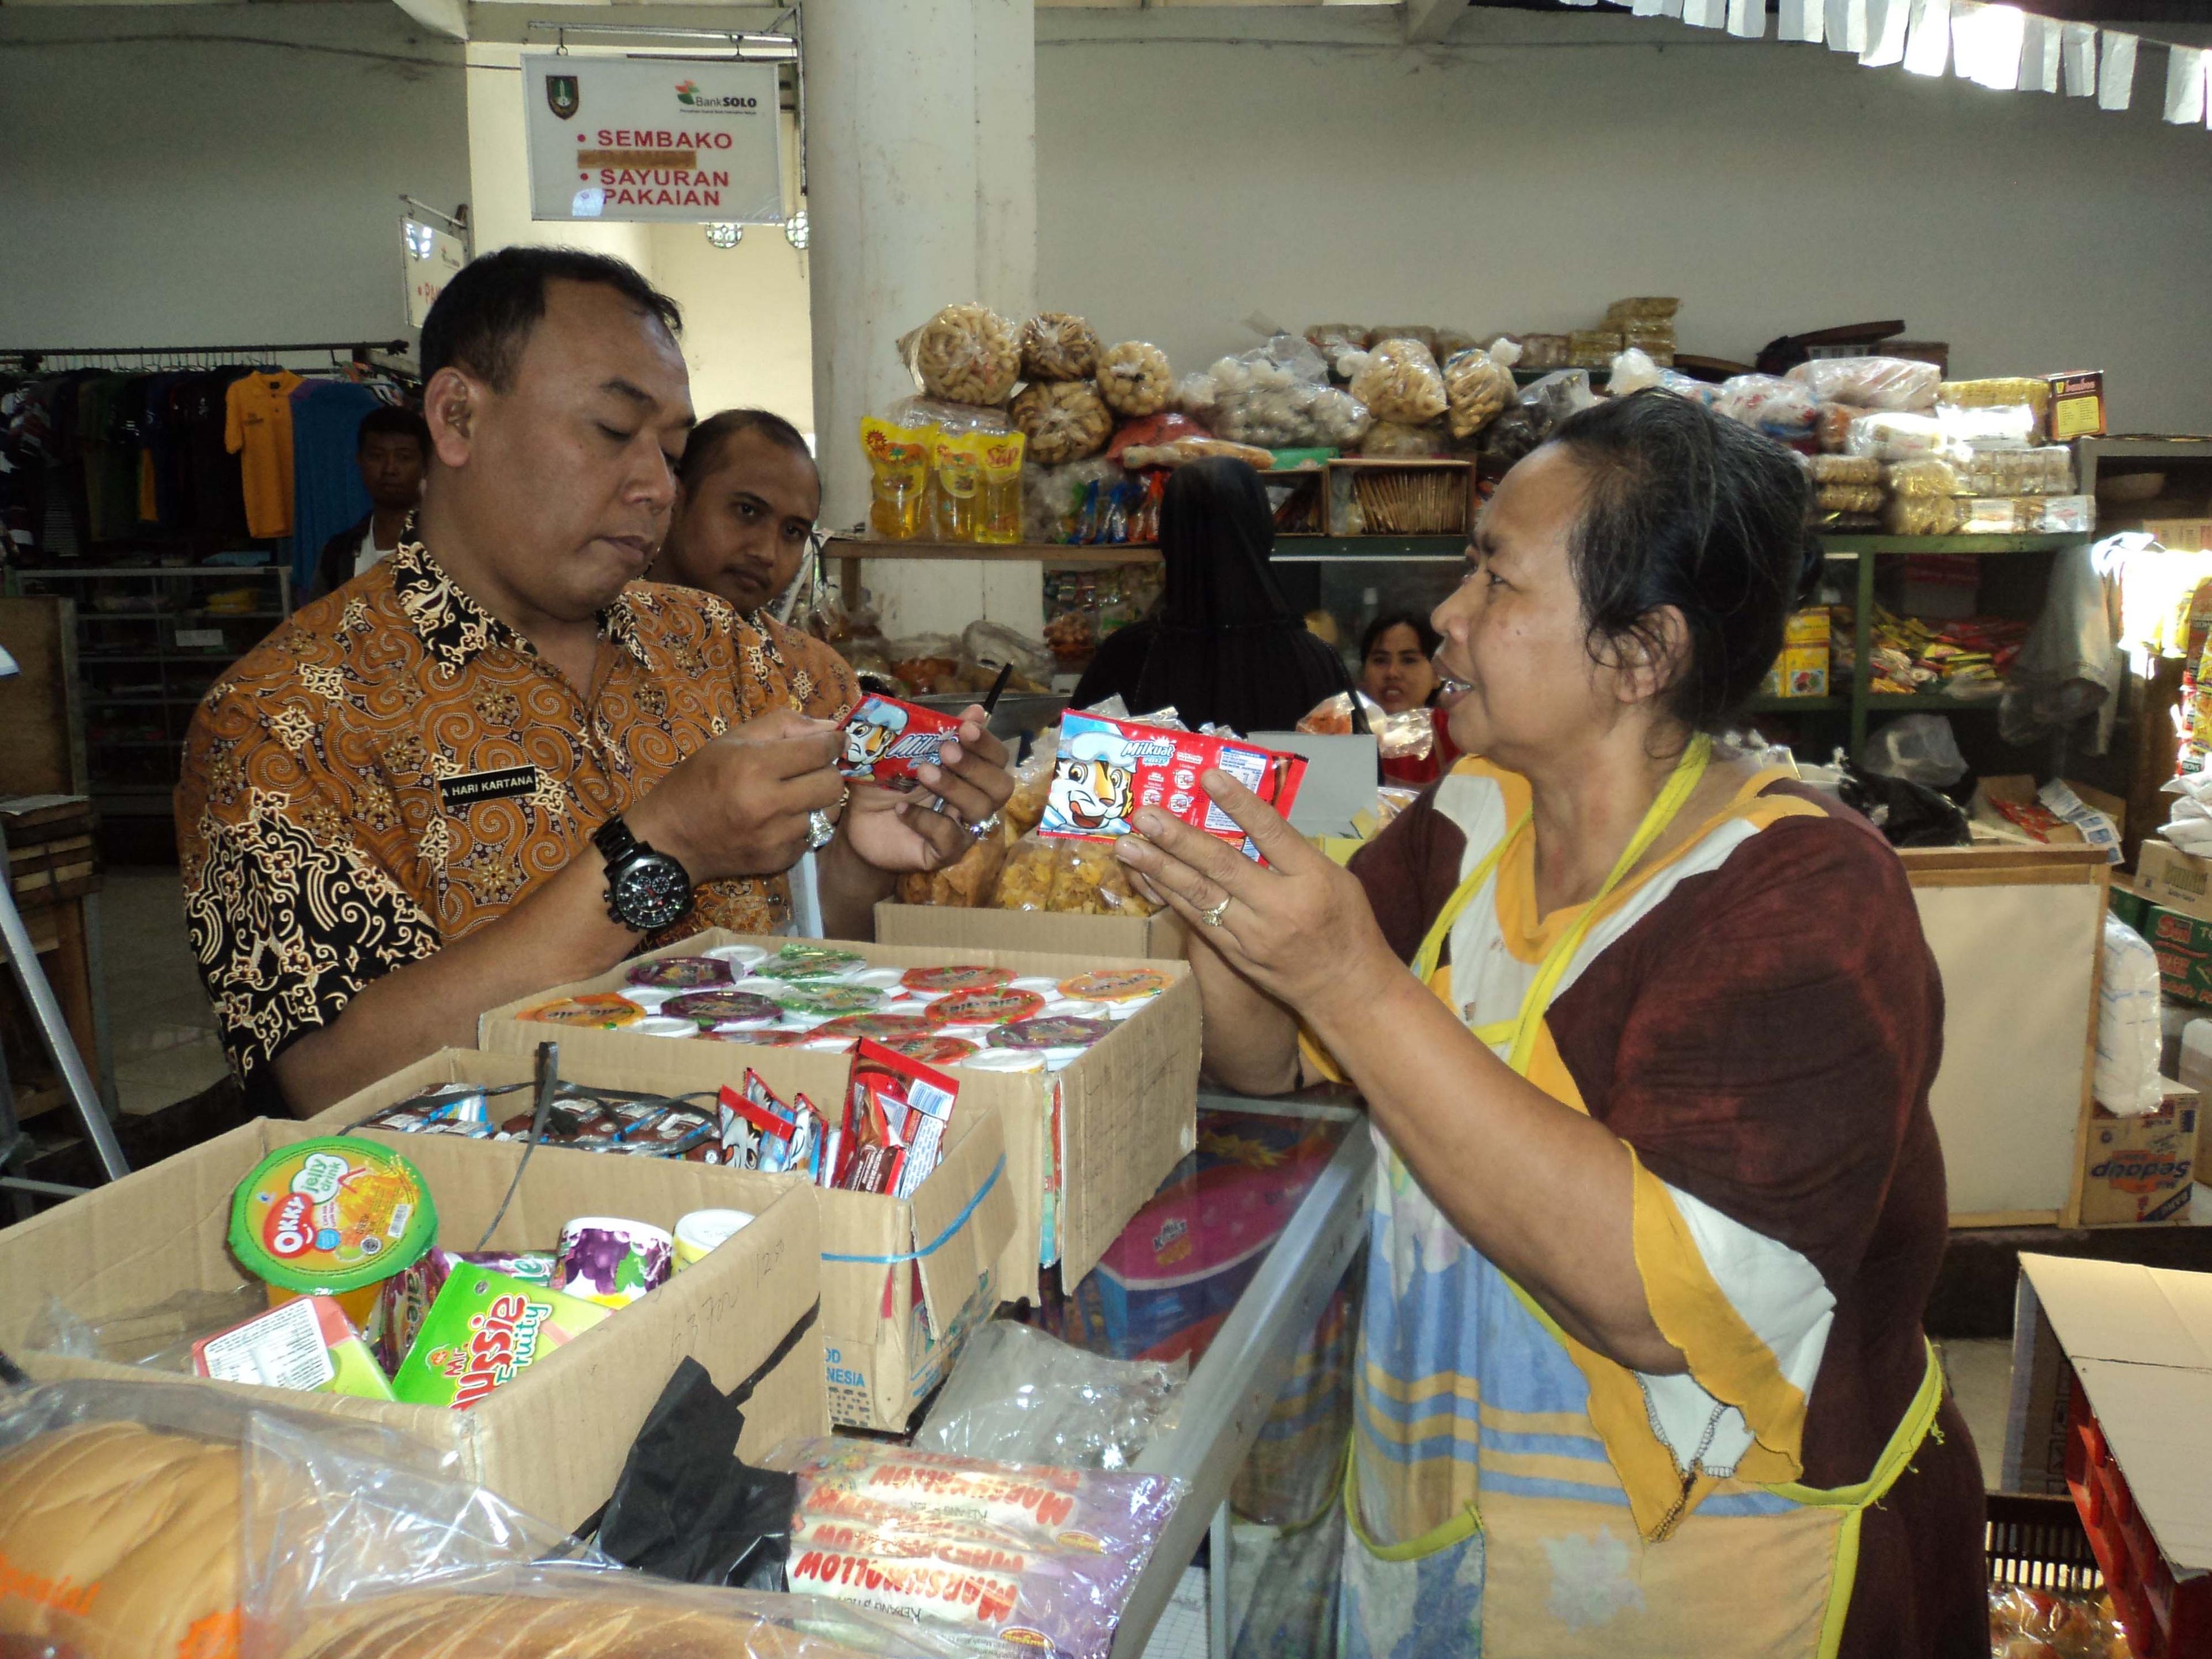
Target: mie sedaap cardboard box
{"x": 903, "y": 1283}
{"x": 1160, "y": 937}
{"x": 1085, "y": 1147}
{"x": 553, "y": 1441}
{"x": 2137, "y": 1169}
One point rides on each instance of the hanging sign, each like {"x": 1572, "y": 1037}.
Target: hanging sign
{"x": 652, "y": 139}
{"x": 428, "y": 257}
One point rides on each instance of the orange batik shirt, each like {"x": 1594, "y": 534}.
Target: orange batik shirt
{"x": 394, "y": 767}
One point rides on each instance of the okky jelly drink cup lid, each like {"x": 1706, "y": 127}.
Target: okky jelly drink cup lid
{"x": 330, "y": 1214}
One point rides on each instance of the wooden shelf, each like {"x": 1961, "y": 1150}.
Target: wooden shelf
{"x": 1798, "y": 705}
{"x": 1288, "y": 549}
{"x": 1879, "y": 702}
{"x": 1857, "y": 544}
{"x": 857, "y": 547}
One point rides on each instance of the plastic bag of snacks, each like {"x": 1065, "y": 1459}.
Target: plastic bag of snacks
{"x": 1054, "y": 497}
{"x": 1265, "y": 396}
{"x": 1477, "y": 386}
{"x": 2040, "y": 1624}
{"x": 1392, "y": 440}
{"x": 1982, "y": 394}
{"x": 1339, "y": 420}
{"x": 1633, "y": 370}
{"x": 1843, "y": 469}
{"x": 1781, "y": 408}
{"x": 1024, "y": 809}
{"x": 1930, "y": 475}
{"x": 1848, "y": 498}
{"x": 1923, "y": 515}
{"x": 1056, "y": 346}
{"x": 1401, "y": 381}
{"x": 349, "y": 1555}
{"x": 1181, "y": 452}
{"x": 1411, "y": 735}
{"x": 966, "y": 354}
{"x": 1832, "y": 427}
{"x": 1336, "y": 341}
{"x": 1134, "y": 378}
{"x": 1067, "y": 877}
{"x": 1893, "y": 383}
{"x": 1989, "y": 426}
{"x": 1018, "y": 1395}
{"x": 1896, "y": 437}
{"x": 1063, "y": 420}
{"x": 992, "y": 1553}
{"x": 967, "y": 883}
{"x": 124, "y": 1509}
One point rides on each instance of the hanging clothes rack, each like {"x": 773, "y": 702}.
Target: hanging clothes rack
{"x": 33, "y": 360}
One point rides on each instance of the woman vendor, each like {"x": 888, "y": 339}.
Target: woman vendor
{"x": 1646, "y": 1034}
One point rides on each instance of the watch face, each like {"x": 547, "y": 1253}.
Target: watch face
{"x": 653, "y": 892}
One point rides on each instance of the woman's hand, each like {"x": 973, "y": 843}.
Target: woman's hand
{"x": 893, "y": 832}
{"x": 1299, "y": 927}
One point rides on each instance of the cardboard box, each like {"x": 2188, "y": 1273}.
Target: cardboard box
{"x": 2139, "y": 1343}
{"x": 2137, "y": 1169}
{"x": 1801, "y": 670}
{"x": 944, "y": 927}
{"x": 2173, "y": 880}
{"x": 2077, "y": 406}
{"x": 885, "y": 1336}
{"x": 2181, "y": 535}
{"x": 2184, "y": 945}
{"x": 552, "y": 1442}
{"x": 1085, "y": 1147}
{"x": 2012, "y": 808}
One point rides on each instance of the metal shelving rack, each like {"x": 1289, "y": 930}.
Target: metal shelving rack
{"x": 148, "y": 648}
{"x": 1860, "y": 703}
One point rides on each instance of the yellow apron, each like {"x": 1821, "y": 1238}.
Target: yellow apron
{"x": 1551, "y": 1562}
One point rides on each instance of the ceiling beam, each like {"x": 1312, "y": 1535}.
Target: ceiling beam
{"x": 1429, "y": 21}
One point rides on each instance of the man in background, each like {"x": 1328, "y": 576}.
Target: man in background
{"x": 393, "y": 452}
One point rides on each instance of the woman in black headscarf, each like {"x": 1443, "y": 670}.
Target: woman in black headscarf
{"x": 1223, "y": 646}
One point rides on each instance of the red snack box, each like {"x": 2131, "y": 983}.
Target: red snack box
{"x": 1108, "y": 768}
{"x": 885, "y": 739}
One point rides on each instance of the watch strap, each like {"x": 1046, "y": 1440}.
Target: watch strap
{"x": 615, "y": 842}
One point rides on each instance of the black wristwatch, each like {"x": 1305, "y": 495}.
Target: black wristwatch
{"x": 646, "y": 890}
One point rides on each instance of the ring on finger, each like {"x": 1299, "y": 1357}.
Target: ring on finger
{"x": 983, "y": 827}
{"x": 820, "y": 832}
{"x": 1212, "y": 918}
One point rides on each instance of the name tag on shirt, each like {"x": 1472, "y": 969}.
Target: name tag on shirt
{"x": 471, "y": 787}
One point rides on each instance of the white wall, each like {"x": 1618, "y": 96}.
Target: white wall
{"x": 746, "y": 336}
{"x": 162, "y": 184}
{"x": 1539, "y": 166}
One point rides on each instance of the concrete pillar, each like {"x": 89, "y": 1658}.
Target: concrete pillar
{"x": 921, "y": 190}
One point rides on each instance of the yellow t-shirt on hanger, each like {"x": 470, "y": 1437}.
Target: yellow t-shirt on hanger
{"x": 257, "y": 430}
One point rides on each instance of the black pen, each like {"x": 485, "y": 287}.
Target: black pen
{"x": 990, "y": 701}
